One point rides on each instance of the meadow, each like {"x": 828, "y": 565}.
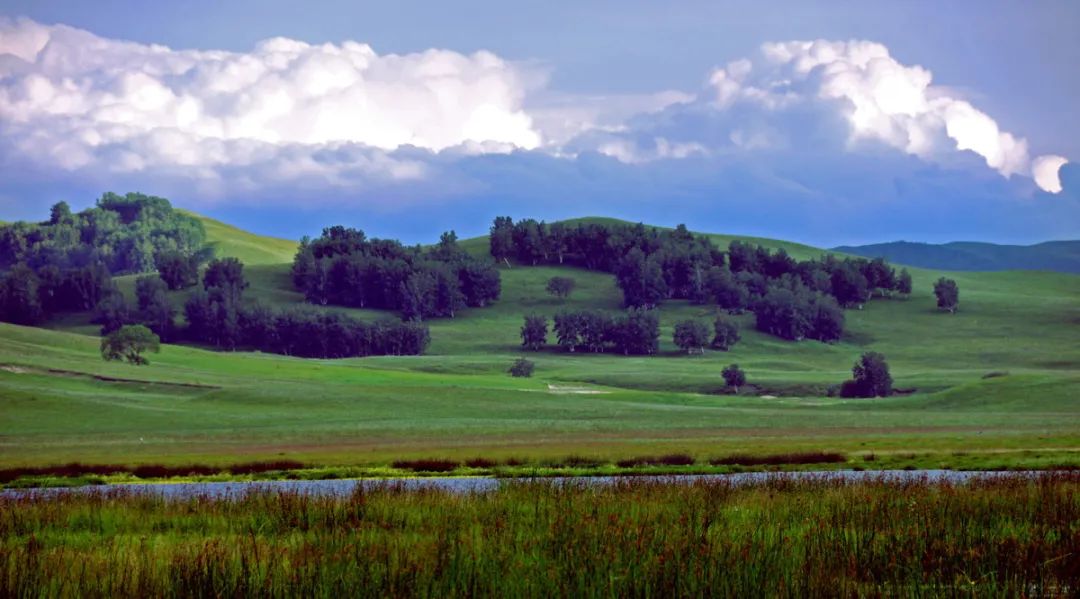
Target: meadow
{"x": 993, "y": 386}
{"x": 1009, "y": 536}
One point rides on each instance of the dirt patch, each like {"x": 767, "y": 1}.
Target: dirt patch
{"x": 98, "y": 377}
{"x": 571, "y": 390}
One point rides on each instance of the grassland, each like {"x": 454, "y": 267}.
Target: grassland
{"x": 1013, "y": 536}
{"x": 995, "y": 385}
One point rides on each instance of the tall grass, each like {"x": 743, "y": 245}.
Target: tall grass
{"x": 1008, "y": 536}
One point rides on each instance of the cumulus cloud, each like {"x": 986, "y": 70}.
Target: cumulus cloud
{"x": 288, "y": 118}
{"x": 882, "y": 100}
{"x": 75, "y": 100}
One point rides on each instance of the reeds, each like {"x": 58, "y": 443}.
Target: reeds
{"x": 1012, "y": 535}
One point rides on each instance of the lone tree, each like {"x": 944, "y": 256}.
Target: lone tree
{"x": 903, "y": 283}
{"x": 522, "y": 368}
{"x": 948, "y": 294}
{"x": 691, "y": 336}
{"x": 734, "y": 377}
{"x": 872, "y": 378}
{"x": 560, "y": 287}
{"x": 128, "y": 343}
{"x": 534, "y": 332}
{"x": 726, "y": 333}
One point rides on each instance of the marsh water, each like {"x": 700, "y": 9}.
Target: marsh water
{"x": 343, "y": 487}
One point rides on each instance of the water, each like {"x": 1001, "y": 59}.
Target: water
{"x": 479, "y": 484}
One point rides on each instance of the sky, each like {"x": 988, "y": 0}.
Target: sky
{"x": 823, "y": 122}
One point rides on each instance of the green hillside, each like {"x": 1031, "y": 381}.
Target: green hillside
{"x": 229, "y": 241}
{"x": 993, "y": 385}
{"x": 1058, "y": 256}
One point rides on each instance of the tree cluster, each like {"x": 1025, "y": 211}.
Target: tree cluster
{"x": 217, "y": 315}
{"x": 28, "y": 297}
{"x": 123, "y": 233}
{"x": 948, "y": 294}
{"x": 792, "y": 299}
{"x": 634, "y": 332}
{"x": 343, "y": 267}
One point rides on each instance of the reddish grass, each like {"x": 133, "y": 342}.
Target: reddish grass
{"x": 780, "y": 459}
{"x": 480, "y": 463}
{"x": 259, "y": 467}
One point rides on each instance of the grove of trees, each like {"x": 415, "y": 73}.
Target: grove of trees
{"x": 343, "y": 267}
{"x": 791, "y": 299}
{"x": 633, "y": 332}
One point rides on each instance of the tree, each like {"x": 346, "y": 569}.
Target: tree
{"x": 112, "y": 312}
{"x": 734, "y": 376}
{"x": 691, "y": 336}
{"x": 849, "y": 285}
{"x": 534, "y": 332}
{"x": 226, "y": 274}
{"x": 871, "y": 378}
{"x": 726, "y": 333}
{"x": 155, "y": 311}
{"x": 501, "y": 239}
{"x": 129, "y": 342}
{"x": 522, "y": 368}
{"x": 641, "y": 280}
{"x": 729, "y": 293}
{"x": 20, "y": 300}
{"x": 560, "y": 287}
{"x": 948, "y": 294}
{"x": 903, "y": 283}
{"x": 177, "y": 270}
{"x": 60, "y": 213}
{"x": 568, "y": 326}
{"x": 638, "y": 331}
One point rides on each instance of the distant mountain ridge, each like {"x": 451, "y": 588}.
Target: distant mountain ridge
{"x": 1057, "y": 256}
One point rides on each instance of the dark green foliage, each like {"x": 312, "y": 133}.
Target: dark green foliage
{"x": 113, "y": 312}
{"x": 879, "y": 276}
{"x": 155, "y": 311}
{"x": 123, "y": 233}
{"x": 637, "y": 331}
{"x": 344, "y": 267}
{"x": 641, "y": 280}
{"x": 178, "y": 270}
{"x": 129, "y": 343}
{"x": 501, "y": 239}
{"x": 726, "y": 290}
{"x": 849, "y": 285}
{"x": 691, "y": 336}
{"x": 226, "y": 274}
{"x": 791, "y": 311}
{"x": 560, "y": 287}
{"x": 725, "y": 333}
{"x": 522, "y": 368}
{"x": 871, "y": 378}
{"x": 534, "y": 332}
{"x": 734, "y": 376}
{"x": 948, "y": 294}
{"x": 903, "y": 282}
{"x": 20, "y": 301}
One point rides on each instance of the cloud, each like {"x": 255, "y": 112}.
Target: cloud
{"x": 802, "y": 140}
{"x": 77, "y": 101}
{"x": 882, "y": 100}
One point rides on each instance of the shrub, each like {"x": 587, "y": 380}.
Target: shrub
{"x": 128, "y": 343}
{"x": 871, "y": 378}
{"x": 734, "y": 376}
{"x": 726, "y": 333}
{"x": 561, "y": 287}
{"x": 522, "y": 368}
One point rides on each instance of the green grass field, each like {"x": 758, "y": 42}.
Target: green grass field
{"x": 60, "y": 402}
{"x": 1012, "y": 536}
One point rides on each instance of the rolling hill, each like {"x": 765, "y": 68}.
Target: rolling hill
{"x": 1057, "y": 256}
{"x": 993, "y": 385}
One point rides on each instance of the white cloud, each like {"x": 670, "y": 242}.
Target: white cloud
{"x": 343, "y": 117}
{"x": 1046, "y": 170}
{"x": 70, "y": 99}
{"x": 881, "y": 98}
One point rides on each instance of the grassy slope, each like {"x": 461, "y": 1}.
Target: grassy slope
{"x": 251, "y": 249}
{"x": 457, "y": 401}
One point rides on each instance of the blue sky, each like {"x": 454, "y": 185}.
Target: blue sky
{"x": 905, "y": 120}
